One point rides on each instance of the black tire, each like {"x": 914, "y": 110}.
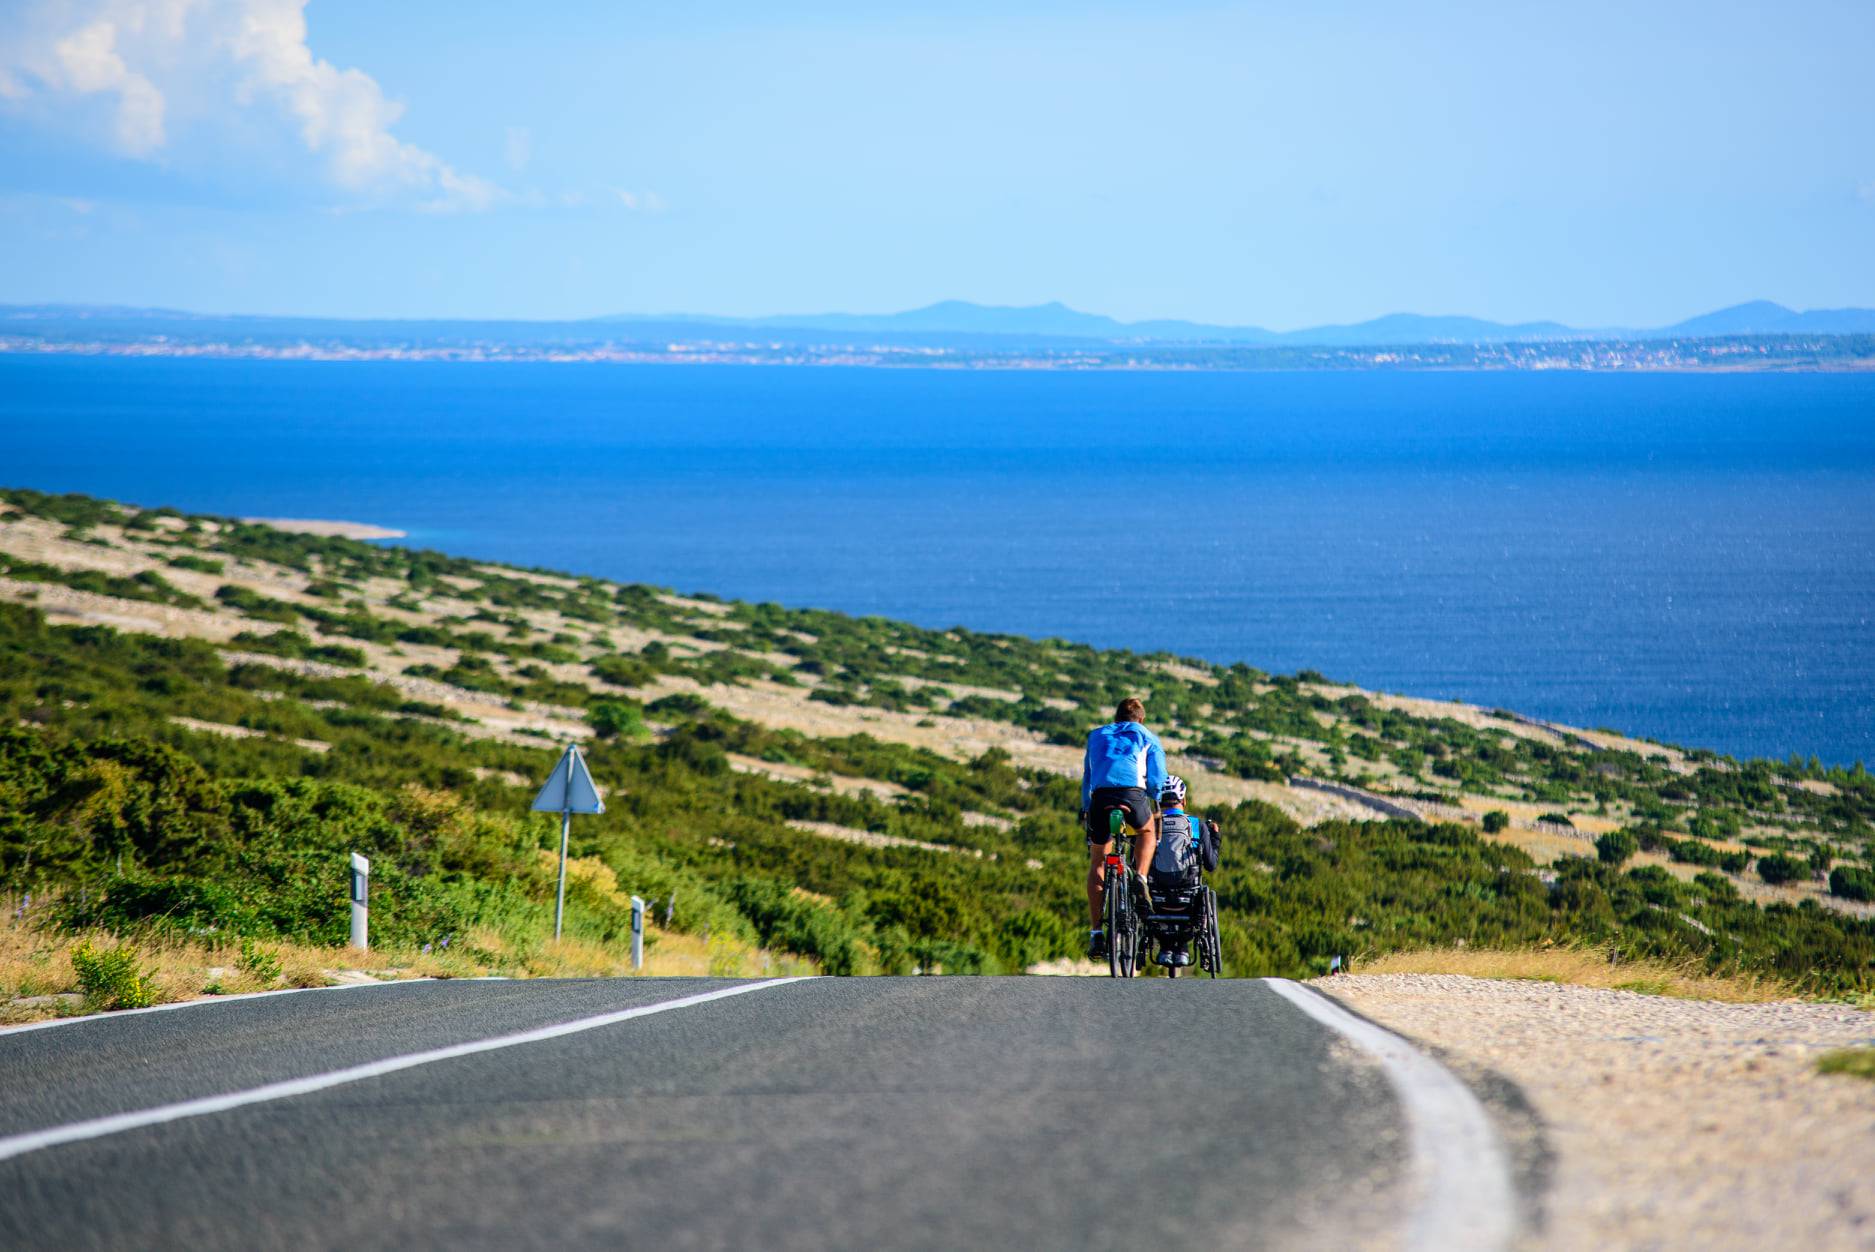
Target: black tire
{"x": 1133, "y": 938}
{"x": 1210, "y": 943}
{"x": 1118, "y": 936}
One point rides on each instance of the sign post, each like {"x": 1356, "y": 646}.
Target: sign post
{"x": 638, "y": 933}
{"x": 568, "y": 790}
{"x": 361, "y": 901}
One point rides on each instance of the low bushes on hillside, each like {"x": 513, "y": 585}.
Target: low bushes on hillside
{"x": 142, "y": 824}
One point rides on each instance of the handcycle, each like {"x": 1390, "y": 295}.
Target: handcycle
{"x": 1181, "y": 918}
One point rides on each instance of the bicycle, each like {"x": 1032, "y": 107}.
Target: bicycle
{"x": 1120, "y": 915}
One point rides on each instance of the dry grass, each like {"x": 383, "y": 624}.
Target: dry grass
{"x": 37, "y": 980}
{"x": 1584, "y": 967}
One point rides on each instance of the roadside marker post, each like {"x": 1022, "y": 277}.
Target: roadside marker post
{"x": 638, "y": 933}
{"x": 568, "y": 790}
{"x": 361, "y": 901}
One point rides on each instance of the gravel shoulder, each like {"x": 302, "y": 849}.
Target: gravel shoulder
{"x": 1670, "y": 1123}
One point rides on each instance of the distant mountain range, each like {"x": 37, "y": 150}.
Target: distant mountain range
{"x": 1057, "y": 321}
{"x": 948, "y": 323}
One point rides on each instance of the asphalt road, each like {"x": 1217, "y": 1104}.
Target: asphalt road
{"x": 1033, "y": 1113}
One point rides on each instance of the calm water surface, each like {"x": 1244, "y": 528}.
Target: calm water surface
{"x": 1686, "y": 557}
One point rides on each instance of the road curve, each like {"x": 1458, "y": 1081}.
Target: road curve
{"x": 704, "y": 1113}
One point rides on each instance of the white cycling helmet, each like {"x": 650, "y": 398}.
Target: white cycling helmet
{"x": 1173, "y": 788}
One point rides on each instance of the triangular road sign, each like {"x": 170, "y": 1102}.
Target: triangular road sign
{"x": 569, "y": 789}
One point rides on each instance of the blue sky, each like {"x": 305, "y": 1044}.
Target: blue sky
{"x": 1273, "y": 164}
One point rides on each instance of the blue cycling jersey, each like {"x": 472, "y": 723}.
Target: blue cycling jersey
{"x": 1122, "y": 754}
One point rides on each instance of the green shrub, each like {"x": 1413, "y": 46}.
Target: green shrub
{"x": 943, "y": 956}
{"x": 262, "y": 963}
{"x": 188, "y": 903}
{"x": 1616, "y": 847}
{"x": 1779, "y": 868}
{"x": 1034, "y": 935}
{"x": 110, "y": 979}
{"x": 292, "y": 643}
{"x": 1855, "y": 1062}
{"x": 1695, "y": 852}
{"x": 678, "y": 704}
{"x": 784, "y": 920}
{"x": 1852, "y": 882}
{"x": 617, "y": 719}
{"x": 253, "y": 604}
{"x": 624, "y": 671}
{"x": 1495, "y": 821}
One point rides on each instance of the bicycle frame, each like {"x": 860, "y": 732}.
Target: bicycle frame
{"x": 1122, "y": 923}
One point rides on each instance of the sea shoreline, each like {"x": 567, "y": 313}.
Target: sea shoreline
{"x": 1431, "y": 359}
{"x": 332, "y": 529}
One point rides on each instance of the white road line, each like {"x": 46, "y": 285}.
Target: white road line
{"x": 97, "y": 1128}
{"x": 1462, "y": 1196}
{"x": 7, "y": 1032}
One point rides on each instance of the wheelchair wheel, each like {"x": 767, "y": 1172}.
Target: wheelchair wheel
{"x": 1210, "y": 943}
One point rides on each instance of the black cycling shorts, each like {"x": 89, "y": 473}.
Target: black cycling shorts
{"x": 1134, "y": 800}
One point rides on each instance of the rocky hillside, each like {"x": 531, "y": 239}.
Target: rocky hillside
{"x": 199, "y": 709}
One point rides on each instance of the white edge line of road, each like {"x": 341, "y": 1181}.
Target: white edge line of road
{"x": 7, "y": 1032}
{"x": 1460, "y": 1172}
{"x": 97, "y": 1128}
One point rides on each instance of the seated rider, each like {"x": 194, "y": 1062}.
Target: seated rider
{"x": 1124, "y": 768}
{"x": 1186, "y": 852}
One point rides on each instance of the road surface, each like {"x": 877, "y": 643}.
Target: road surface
{"x": 1032, "y": 1113}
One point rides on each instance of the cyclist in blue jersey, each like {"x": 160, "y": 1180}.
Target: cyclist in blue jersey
{"x": 1124, "y": 768}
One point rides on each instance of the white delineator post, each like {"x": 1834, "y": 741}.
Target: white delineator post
{"x": 568, "y": 790}
{"x": 638, "y": 933}
{"x": 361, "y": 901}
{"x": 559, "y": 897}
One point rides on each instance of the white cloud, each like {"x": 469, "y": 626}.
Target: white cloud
{"x": 170, "y": 70}
{"x": 87, "y": 63}
{"x": 640, "y": 201}
{"x": 518, "y": 148}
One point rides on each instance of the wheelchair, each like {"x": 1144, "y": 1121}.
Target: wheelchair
{"x": 1183, "y": 920}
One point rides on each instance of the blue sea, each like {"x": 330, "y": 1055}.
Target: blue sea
{"x": 1688, "y": 557}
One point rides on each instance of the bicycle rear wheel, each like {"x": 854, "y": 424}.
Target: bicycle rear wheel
{"x": 1135, "y": 934}
{"x": 1119, "y": 931}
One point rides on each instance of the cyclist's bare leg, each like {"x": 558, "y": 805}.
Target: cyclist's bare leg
{"x": 1096, "y": 894}
{"x": 1148, "y": 840}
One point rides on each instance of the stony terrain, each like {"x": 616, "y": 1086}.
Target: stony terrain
{"x": 1670, "y": 1123}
